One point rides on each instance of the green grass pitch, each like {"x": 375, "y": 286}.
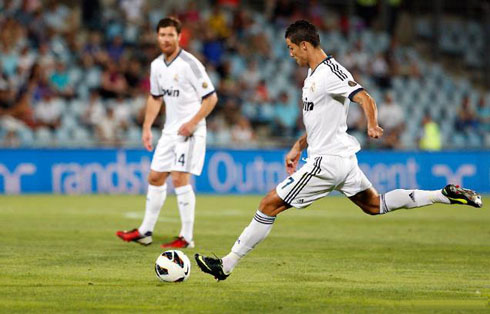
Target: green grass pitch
{"x": 60, "y": 254}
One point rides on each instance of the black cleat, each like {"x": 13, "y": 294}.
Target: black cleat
{"x": 457, "y": 195}
{"x": 212, "y": 266}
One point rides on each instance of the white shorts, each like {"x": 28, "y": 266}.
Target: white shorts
{"x": 179, "y": 153}
{"x": 321, "y": 175}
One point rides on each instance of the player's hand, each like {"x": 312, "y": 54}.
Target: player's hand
{"x": 187, "y": 129}
{"x": 375, "y": 132}
{"x": 292, "y": 159}
{"x": 147, "y": 139}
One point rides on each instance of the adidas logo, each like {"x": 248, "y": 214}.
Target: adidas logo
{"x": 412, "y": 195}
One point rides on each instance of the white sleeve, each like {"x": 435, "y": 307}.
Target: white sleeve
{"x": 155, "y": 88}
{"x": 339, "y": 81}
{"x": 199, "y": 79}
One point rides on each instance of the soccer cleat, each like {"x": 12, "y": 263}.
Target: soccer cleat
{"x": 179, "y": 243}
{"x": 212, "y": 266}
{"x": 458, "y": 195}
{"x": 135, "y": 236}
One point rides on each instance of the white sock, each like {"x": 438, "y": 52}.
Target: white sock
{"x": 397, "y": 199}
{"x": 253, "y": 234}
{"x": 155, "y": 197}
{"x": 186, "y": 200}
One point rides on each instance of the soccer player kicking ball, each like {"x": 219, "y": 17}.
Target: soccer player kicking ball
{"x": 331, "y": 165}
{"x": 189, "y": 97}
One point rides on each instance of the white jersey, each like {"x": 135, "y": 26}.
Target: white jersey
{"x": 327, "y": 92}
{"x": 183, "y": 83}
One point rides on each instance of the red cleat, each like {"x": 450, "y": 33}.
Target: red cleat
{"x": 179, "y": 243}
{"x": 135, "y": 236}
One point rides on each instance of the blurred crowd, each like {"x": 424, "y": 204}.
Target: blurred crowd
{"x": 77, "y": 74}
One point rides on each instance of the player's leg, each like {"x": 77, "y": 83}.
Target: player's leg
{"x": 155, "y": 198}
{"x": 186, "y": 202}
{"x": 299, "y": 190}
{"x": 189, "y": 155}
{"x": 258, "y": 229}
{"x": 372, "y": 203}
{"x": 161, "y": 164}
{"x": 368, "y": 199}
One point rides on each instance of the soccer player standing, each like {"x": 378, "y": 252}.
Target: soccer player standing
{"x": 332, "y": 164}
{"x": 189, "y": 96}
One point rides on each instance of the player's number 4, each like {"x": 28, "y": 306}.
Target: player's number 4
{"x": 290, "y": 180}
{"x": 181, "y": 159}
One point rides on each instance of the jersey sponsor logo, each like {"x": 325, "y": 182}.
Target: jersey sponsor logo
{"x": 171, "y": 92}
{"x": 308, "y": 105}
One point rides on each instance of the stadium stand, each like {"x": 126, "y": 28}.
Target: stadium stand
{"x": 76, "y": 74}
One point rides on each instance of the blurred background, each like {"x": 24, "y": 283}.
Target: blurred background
{"x": 75, "y": 74}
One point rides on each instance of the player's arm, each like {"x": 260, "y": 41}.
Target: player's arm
{"x": 153, "y": 105}
{"x": 370, "y": 112}
{"x": 207, "y": 105}
{"x": 292, "y": 157}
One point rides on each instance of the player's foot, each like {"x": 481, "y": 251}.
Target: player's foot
{"x": 179, "y": 243}
{"x": 458, "y": 195}
{"x": 135, "y": 236}
{"x": 212, "y": 266}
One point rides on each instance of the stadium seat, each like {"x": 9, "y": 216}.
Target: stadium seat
{"x": 43, "y": 137}
{"x": 82, "y": 137}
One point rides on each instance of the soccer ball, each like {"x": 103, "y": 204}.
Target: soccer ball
{"x": 173, "y": 266}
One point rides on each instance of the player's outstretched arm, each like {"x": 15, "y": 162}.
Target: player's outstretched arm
{"x": 153, "y": 105}
{"x": 371, "y": 112}
{"x": 207, "y": 106}
{"x": 293, "y": 155}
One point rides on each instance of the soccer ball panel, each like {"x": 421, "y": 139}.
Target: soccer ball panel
{"x": 172, "y": 266}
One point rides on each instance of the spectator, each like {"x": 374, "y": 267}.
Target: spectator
{"x": 286, "y": 113}
{"x": 242, "y": 132}
{"x": 466, "y": 120}
{"x": 381, "y": 71}
{"x": 251, "y": 76}
{"x": 133, "y": 10}
{"x": 355, "y": 119}
{"x": 113, "y": 82}
{"x": 60, "y": 81}
{"x": 391, "y": 119}
{"x": 430, "y": 138}
{"x": 217, "y": 23}
{"x": 483, "y": 113}
{"x": 94, "y": 111}
{"x": 212, "y": 48}
{"x": 107, "y": 130}
{"x": 116, "y": 48}
{"x": 48, "y": 111}
{"x": 122, "y": 112}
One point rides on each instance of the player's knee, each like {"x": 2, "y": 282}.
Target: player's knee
{"x": 179, "y": 180}
{"x": 156, "y": 179}
{"x": 271, "y": 204}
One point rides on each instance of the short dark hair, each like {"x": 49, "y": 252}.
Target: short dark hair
{"x": 170, "y": 21}
{"x": 303, "y": 30}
